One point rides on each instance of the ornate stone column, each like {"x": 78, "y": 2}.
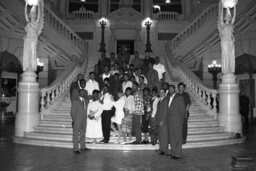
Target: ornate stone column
{"x": 229, "y": 116}
{"x": 103, "y": 8}
{"x": 28, "y": 90}
{"x": 148, "y": 6}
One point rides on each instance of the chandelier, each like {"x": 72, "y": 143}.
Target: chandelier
{"x": 167, "y": 1}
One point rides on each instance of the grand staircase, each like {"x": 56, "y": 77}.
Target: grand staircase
{"x": 55, "y": 129}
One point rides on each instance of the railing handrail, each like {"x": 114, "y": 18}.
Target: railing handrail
{"x": 83, "y": 14}
{"x": 50, "y": 94}
{"x": 162, "y": 15}
{"x": 205, "y": 12}
{"x": 182, "y": 73}
{"x": 55, "y": 83}
{"x": 80, "y": 45}
{"x": 196, "y": 79}
{"x": 166, "y": 12}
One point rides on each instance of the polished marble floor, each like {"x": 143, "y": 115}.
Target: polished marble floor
{"x": 15, "y": 157}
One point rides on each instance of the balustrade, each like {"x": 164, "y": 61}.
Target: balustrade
{"x": 83, "y": 14}
{"x": 60, "y": 86}
{"x": 53, "y": 20}
{"x": 170, "y": 16}
{"x": 207, "y": 97}
{"x": 210, "y": 13}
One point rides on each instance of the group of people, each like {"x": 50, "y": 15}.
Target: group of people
{"x": 129, "y": 97}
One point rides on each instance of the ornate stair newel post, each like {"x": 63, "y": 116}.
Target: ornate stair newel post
{"x": 28, "y": 102}
{"x": 229, "y": 116}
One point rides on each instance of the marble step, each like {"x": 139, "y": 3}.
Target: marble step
{"x": 60, "y": 117}
{"x": 126, "y": 147}
{"x": 63, "y": 130}
{"x": 68, "y": 137}
{"x": 67, "y": 124}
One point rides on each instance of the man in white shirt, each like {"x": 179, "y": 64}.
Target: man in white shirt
{"x": 107, "y": 101}
{"x": 91, "y": 85}
{"x": 126, "y": 82}
{"x": 160, "y": 69}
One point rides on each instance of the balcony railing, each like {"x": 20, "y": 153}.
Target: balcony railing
{"x": 83, "y": 14}
{"x": 167, "y": 16}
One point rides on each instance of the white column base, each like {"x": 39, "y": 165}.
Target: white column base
{"x": 229, "y": 115}
{"x": 28, "y": 115}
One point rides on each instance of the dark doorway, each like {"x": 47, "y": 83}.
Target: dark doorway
{"x": 125, "y": 46}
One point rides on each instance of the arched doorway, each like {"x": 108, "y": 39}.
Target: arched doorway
{"x": 10, "y": 70}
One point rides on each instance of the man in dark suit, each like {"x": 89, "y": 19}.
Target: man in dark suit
{"x": 75, "y": 84}
{"x": 176, "y": 115}
{"x": 79, "y": 116}
{"x": 185, "y": 95}
{"x": 162, "y": 122}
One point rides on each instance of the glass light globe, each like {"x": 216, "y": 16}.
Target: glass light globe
{"x": 229, "y": 3}
{"x": 32, "y": 2}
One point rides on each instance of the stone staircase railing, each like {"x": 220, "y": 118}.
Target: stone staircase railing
{"x": 60, "y": 86}
{"x": 200, "y": 21}
{"x": 167, "y": 16}
{"x": 53, "y": 20}
{"x": 207, "y": 97}
{"x": 83, "y": 14}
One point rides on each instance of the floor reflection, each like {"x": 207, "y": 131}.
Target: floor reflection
{"x": 16, "y": 157}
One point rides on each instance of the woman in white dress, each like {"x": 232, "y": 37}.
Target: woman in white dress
{"x": 94, "y": 110}
{"x": 119, "y": 114}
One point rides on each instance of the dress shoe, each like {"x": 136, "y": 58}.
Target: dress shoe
{"x": 153, "y": 143}
{"x": 102, "y": 141}
{"x": 85, "y": 149}
{"x": 105, "y": 142}
{"x": 77, "y": 152}
{"x": 145, "y": 142}
{"x": 174, "y": 157}
{"x": 162, "y": 153}
{"x": 157, "y": 150}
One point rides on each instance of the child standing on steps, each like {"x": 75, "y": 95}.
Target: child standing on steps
{"x": 94, "y": 110}
{"x": 119, "y": 114}
{"x": 129, "y": 108}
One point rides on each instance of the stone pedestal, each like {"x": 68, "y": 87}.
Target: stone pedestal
{"x": 229, "y": 115}
{"x": 28, "y": 104}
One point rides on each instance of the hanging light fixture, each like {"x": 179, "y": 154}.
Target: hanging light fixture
{"x": 229, "y": 3}
{"x": 167, "y": 1}
{"x": 32, "y": 2}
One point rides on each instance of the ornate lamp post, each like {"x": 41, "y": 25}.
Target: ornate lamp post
{"x": 28, "y": 115}
{"x": 148, "y": 24}
{"x": 214, "y": 69}
{"x": 103, "y": 23}
{"x": 229, "y": 116}
{"x": 40, "y": 68}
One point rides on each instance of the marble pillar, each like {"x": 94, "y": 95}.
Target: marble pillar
{"x": 103, "y": 8}
{"x": 229, "y": 115}
{"x": 148, "y": 7}
{"x": 28, "y": 104}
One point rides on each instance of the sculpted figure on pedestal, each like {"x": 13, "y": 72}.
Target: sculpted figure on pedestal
{"x": 33, "y": 30}
{"x": 226, "y": 29}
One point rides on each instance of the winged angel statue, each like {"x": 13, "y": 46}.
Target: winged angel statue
{"x": 35, "y": 22}
{"x": 226, "y": 30}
